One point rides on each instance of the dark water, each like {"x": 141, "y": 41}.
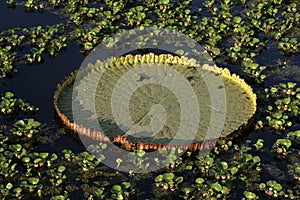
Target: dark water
{"x": 18, "y": 18}
{"x": 37, "y": 83}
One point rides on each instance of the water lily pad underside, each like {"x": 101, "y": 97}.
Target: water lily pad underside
{"x": 240, "y": 102}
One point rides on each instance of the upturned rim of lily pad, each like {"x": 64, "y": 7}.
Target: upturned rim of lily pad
{"x": 123, "y": 141}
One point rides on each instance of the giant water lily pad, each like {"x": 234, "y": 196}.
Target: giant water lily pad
{"x": 150, "y": 102}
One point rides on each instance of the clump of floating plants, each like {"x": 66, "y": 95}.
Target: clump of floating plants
{"x": 11, "y": 106}
{"x": 240, "y": 102}
{"x": 281, "y": 108}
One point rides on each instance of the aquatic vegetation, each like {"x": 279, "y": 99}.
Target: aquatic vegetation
{"x": 99, "y": 192}
{"x": 168, "y": 181}
{"x": 288, "y": 45}
{"x": 170, "y": 157}
{"x": 14, "y": 42}
{"x": 87, "y": 161}
{"x": 213, "y": 190}
{"x": 234, "y": 33}
{"x": 294, "y": 137}
{"x": 259, "y": 144}
{"x": 123, "y": 191}
{"x": 236, "y": 119}
{"x": 272, "y": 188}
{"x": 282, "y": 146}
{"x": 11, "y": 106}
{"x": 282, "y": 105}
{"x": 26, "y": 128}
{"x": 294, "y": 170}
{"x": 254, "y": 70}
{"x": 249, "y": 195}
{"x": 7, "y": 60}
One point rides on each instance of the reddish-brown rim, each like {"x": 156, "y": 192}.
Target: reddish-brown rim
{"x": 123, "y": 141}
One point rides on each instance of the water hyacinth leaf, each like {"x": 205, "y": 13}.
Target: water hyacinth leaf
{"x": 248, "y": 157}
{"x": 179, "y": 179}
{"x": 20, "y": 123}
{"x": 262, "y": 185}
{"x": 283, "y": 85}
{"x": 164, "y": 2}
{"x": 33, "y": 180}
{"x": 159, "y": 178}
{"x": 99, "y": 192}
{"x": 294, "y": 135}
{"x": 277, "y": 115}
{"x": 168, "y": 177}
{"x": 16, "y": 147}
{"x": 237, "y": 19}
{"x": 126, "y": 185}
{"x": 188, "y": 167}
{"x": 287, "y": 100}
{"x": 250, "y": 195}
{"x": 199, "y": 181}
{"x": 223, "y": 165}
{"x": 53, "y": 157}
{"x": 216, "y": 186}
{"x": 234, "y": 170}
{"x": 8, "y": 95}
{"x": 26, "y": 159}
{"x": 208, "y": 160}
{"x": 291, "y": 85}
{"x": 116, "y": 189}
{"x": 59, "y": 197}
{"x": 256, "y": 159}
{"x": 61, "y": 169}
{"x": 186, "y": 190}
{"x": 9, "y": 186}
{"x": 275, "y": 185}
{"x": 284, "y": 142}
{"x": 17, "y": 190}
{"x": 44, "y": 155}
